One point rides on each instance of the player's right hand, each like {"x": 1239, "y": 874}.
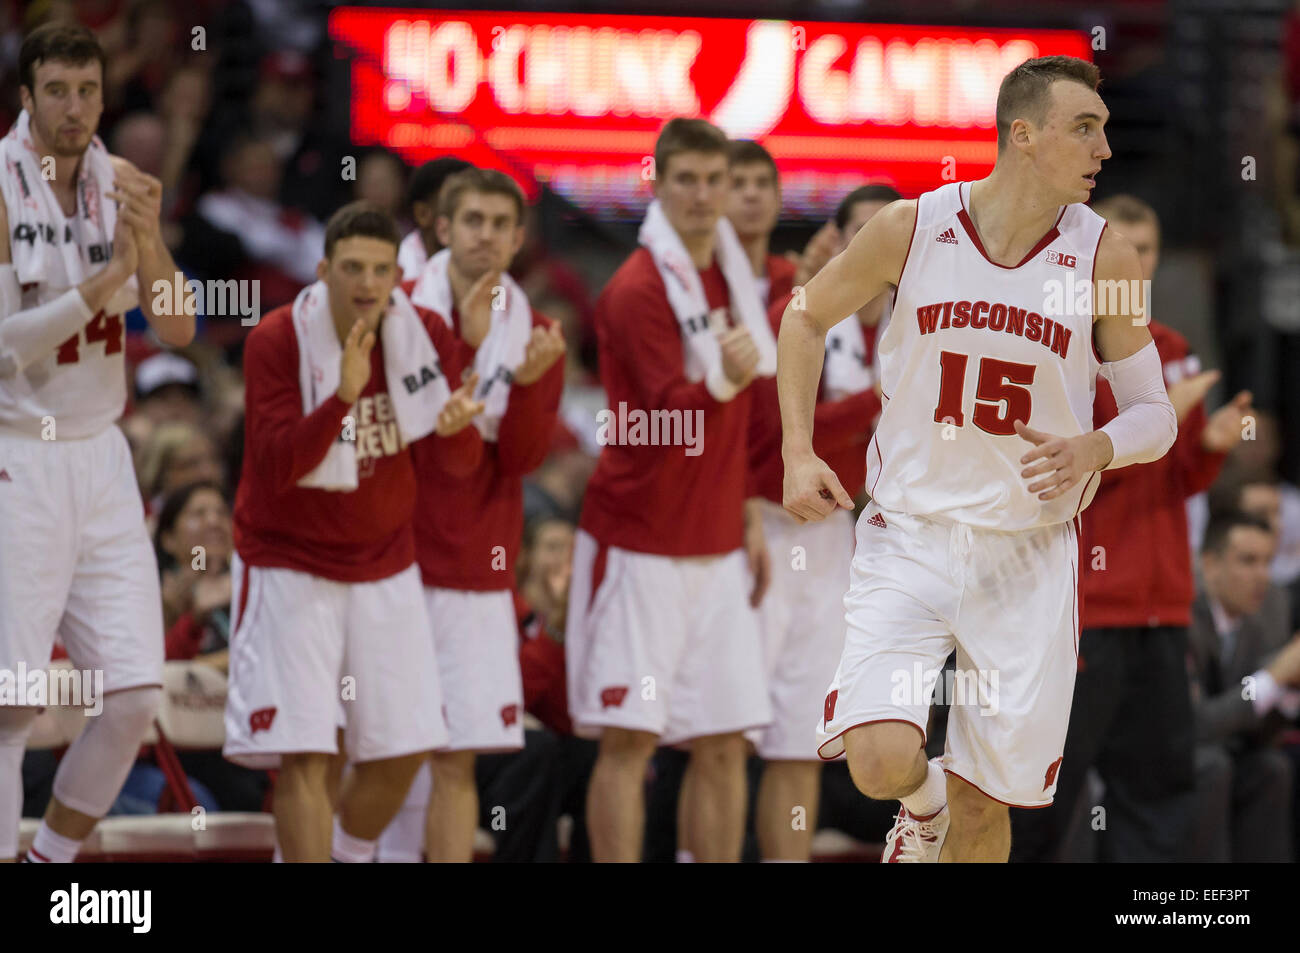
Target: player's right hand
{"x": 476, "y": 308}
{"x": 126, "y": 253}
{"x": 739, "y": 355}
{"x": 812, "y": 491}
{"x": 354, "y": 364}
{"x": 461, "y": 408}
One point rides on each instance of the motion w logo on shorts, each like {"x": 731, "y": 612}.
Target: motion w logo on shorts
{"x": 261, "y": 719}
{"x": 1050, "y": 778}
{"x": 509, "y": 714}
{"x": 613, "y": 696}
{"x": 829, "y": 712}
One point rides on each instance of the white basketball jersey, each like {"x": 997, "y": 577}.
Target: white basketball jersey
{"x": 80, "y": 385}
{"x": 972, "y": 347}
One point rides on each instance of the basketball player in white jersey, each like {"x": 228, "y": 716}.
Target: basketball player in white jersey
{"x": 74, "y": 555}
{"x": 981, "y": 463}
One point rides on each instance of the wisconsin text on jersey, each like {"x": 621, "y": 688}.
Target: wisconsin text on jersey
{"x": 997, "y": 317}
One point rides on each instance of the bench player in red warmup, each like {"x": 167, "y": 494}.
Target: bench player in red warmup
{"x": 329, "y": 644}
{"x": 468, "y": 529}
{"x": 983, "y": 458}
{"x": 662, "y": 639}
{"x": 80, "y": 244}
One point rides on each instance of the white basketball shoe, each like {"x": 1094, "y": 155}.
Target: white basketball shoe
{"x": 915, "y": 841}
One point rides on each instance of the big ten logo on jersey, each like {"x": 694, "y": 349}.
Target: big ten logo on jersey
{"x": 377, "y": 433}
{"x": 717, "y": 321}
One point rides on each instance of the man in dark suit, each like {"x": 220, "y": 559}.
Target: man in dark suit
{"x": 1244, "y": 664}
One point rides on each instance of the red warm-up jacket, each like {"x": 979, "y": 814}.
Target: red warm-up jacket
{"x": 1137, "y": 562}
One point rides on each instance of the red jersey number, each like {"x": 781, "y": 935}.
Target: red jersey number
{"x": 998, "y": 384}
{"x": 100, "y": 328}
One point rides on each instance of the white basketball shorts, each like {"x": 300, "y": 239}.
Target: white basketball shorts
{"x": 1007, "y": 602}
{"x": 476, "y": 641}
{"x": 663, "y": 644}
{"x": 801, "y": 620}
{"x": 304, "y": 649}
{"x": 76, "y": 561}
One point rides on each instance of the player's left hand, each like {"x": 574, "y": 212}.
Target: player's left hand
{"x": 139, "y": 197}
{"x": 460, "y": 410}
{"x": 544, "y": 347}
{"x": 1064, "y": 460}
{"x": 760, "y": 560}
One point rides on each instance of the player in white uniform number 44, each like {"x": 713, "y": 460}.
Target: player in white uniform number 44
{"x": 981, "y": 463}
{"x": 75, "y": 558}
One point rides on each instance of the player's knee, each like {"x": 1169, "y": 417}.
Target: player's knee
{"x": 719, "y": 754}
{"x": 626, "y": 749}
{"x": 129, "y": 713}
{"x": 304, "y": 769}
{"x": 454, "y": 768}
{"x": 881, "y": 762}
{"x": 16, "y": 725}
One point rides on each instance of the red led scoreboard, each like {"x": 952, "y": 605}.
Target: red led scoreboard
{"x": 575, "y": 101}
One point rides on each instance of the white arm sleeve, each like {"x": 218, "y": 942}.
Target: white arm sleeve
{"x": 1146, "y": 425}
{"x": 26, "y": 336}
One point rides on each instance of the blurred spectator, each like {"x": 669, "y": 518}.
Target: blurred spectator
{"x": 244, "y": 232}
{"x": 136, "y": 73}
{"x": 1245, "y": 670}
{"x": 545, "y": 564}
{"x": 544, "y": 275}
{"x": 194, "y": 544}
{"x": 1259, "y": 455}
{"x": 167, "y": 390}
{"x": 381, "y": 180}
{"x": 1256, "y": 488}
{"x": 175, "y": 454}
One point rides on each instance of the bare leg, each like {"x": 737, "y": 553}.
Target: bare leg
{"x": 787, "y": 809}
{"x": 452, "y": 817}
{"x": 303, "y": 813}
{"x": 373, "y": 792}
{"x": 616, "y": 795}
{"x": 713, "y": 793}
{"x": 979, "y": 829}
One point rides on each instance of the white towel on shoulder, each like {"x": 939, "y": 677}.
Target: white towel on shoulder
{"x": 703, "y": 357}
{"x": 37, "y": 224}
{"x": 417, "y": 385}
{"x": 499, "y": 353}
{"x": 44, "y": 257}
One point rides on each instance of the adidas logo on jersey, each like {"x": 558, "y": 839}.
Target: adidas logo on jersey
{"x": 877, "y": 520}
{"x": 949, "y": 236}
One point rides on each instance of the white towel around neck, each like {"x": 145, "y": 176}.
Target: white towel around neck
{"x": 499, "y": 353}
{"x": 417, "y": 385}
{"x": 703, "y": 355}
